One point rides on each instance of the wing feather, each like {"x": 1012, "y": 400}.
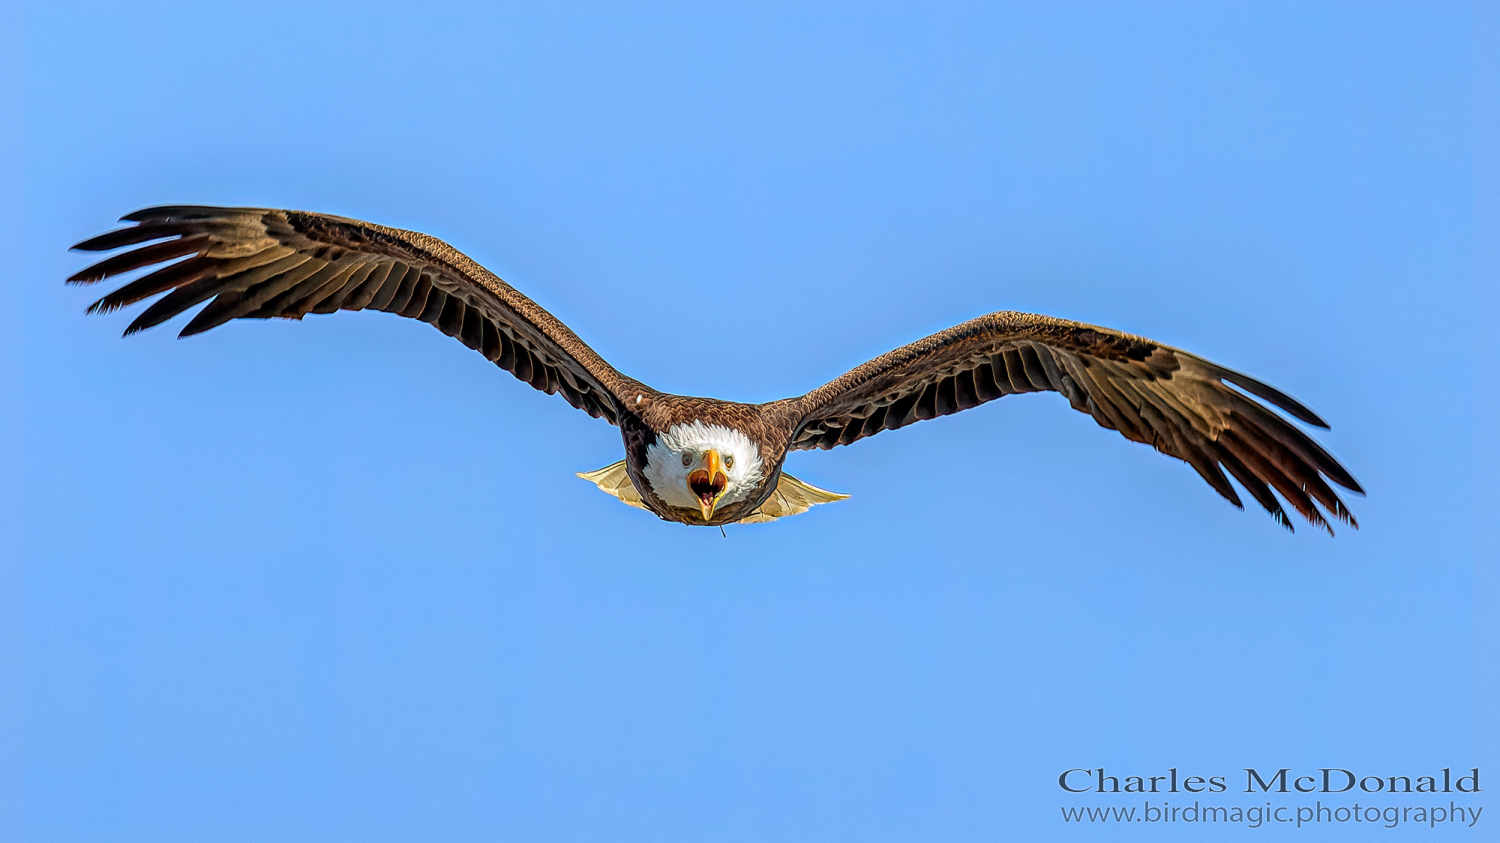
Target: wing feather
{"x": 257, "y": 263}
{"x": 1178, "y": 403}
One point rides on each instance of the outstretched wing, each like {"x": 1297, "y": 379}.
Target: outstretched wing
{"x": 258, "y": 263}
{"x": 1180, "y": 404}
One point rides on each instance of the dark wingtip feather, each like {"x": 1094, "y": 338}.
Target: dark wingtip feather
{"x": 102, "y": 306}
{"x": 179, "y": 213}
{"x": 146, "y": 320}
{"x": 153, "y": 212}
{"x": 1280, "y": 517}
{"x": 113, "y": 240}
{"x": 224, "y": 307}
{"x": 1342, "y": 513}
{"x": 130, "y": 236}
{"x": 1271, "y": 394}
{"x": 156, "y": 253}
{"x": 171, "y": 304}
{"x": 92, "y": 244}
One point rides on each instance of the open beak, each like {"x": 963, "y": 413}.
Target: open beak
{"x": 707, "y": 483}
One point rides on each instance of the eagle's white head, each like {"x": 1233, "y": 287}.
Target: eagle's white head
{"x": 703, "y": 466}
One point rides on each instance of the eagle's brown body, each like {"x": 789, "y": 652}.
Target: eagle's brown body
{"x": 260, "y": 263}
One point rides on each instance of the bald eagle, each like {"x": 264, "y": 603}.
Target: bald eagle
{"x": 702, "y": 461}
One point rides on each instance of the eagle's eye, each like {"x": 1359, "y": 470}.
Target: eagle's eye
{"x": 729, "y": 461}
{"x": 686, "y": 460}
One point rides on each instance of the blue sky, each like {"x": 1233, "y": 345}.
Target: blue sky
{"x": 336, "y": 580}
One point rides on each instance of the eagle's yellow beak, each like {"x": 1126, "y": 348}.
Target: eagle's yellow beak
{"x": 708, "y": 483}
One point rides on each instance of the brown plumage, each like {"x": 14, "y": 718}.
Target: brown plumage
{"x": 259, "y": 263}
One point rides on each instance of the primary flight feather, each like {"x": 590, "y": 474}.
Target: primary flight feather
{"x": 702, "y": 461}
